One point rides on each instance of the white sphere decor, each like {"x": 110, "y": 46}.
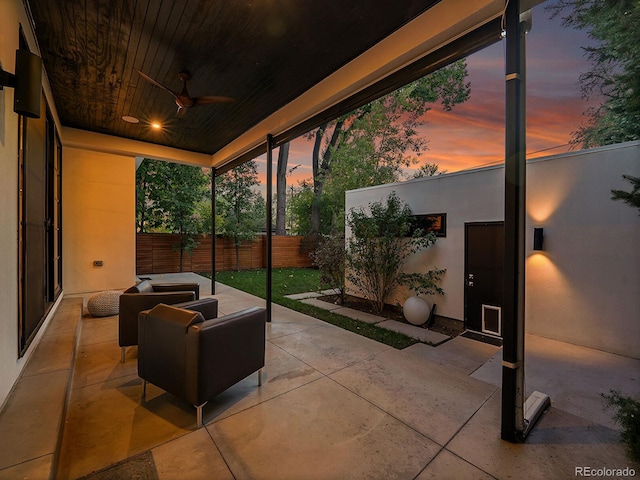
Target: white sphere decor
{"x": 416, "y": 310}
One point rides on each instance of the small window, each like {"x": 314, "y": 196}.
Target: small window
{"x": 431, "y": 222}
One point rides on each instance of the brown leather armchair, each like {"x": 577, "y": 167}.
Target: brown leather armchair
{"x": 196, "y": 359}
{"x": 144, "y": 296}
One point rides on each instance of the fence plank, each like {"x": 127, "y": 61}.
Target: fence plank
{"x": 155, "y": 253}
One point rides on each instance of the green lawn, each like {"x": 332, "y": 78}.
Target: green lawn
{"x": 287, "y": 281}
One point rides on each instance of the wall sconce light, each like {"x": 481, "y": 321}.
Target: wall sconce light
{"x": 538, "y": 238}
{"x": 27, "y": 82}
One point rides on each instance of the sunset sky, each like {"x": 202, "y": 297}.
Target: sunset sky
{"x": 472, "y": 134}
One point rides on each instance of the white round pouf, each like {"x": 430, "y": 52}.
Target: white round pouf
{"x": 104, "y": 304}
{"x": 416, "y": 310}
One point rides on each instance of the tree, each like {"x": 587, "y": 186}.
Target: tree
{"x": 378, "y": 248}
{"x": 241, "y": 210}
{"x": 290, "y": 216}
{"x": 321, "y": 158}
{"x": 428, "y": 170}
{"x": 630, "y": 198}
{"x": 281, "y": 189}
{"x": 372, "y": 144}
{"x": 167, "y": 199}
{"x": 184, "y": 187}
{"x": 615, "y": 74}
{"x": 148, "y": 215}
{"x": 616, "y": 68}
{"x": 301, "y": 202}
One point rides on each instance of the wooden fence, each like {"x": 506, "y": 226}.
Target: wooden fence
{"x": 155, "y": 253}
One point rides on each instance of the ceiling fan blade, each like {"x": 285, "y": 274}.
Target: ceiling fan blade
{"x": 211, "y": 99}
{"x": 157, "y": 84}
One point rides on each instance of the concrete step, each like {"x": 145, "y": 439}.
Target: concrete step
{"x": 419, "y": 333}
{"x": 32, "y": 418}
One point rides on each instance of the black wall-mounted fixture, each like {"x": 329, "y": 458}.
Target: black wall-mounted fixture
{"x": 27, "y": 82}
{"x": 538, "y": 238}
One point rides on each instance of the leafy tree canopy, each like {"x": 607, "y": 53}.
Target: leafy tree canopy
{"x": 240, "y": 209}
{"x": 167, "y": 195}
{"x": 374, "y": 143}
{"x": 615, "y": 74}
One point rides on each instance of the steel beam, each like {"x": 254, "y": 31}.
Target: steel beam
{"x": 270, "y": 145}
{"x": 513, "y": 393}
{"x": 213, "y": 231}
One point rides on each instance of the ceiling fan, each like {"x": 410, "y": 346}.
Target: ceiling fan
{"x": 183, "y": 100}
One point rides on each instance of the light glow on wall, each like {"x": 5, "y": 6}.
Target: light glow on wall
{"x": 544, "y": 200}
{"x": 544, "y": 277}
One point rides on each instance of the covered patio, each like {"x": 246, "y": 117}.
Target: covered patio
{"x": 105, "y": 102}
{"x": 333, "y": 405}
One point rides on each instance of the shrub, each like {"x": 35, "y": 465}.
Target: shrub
{"x": 379, "y": 247}
{"x": 628, "y": 417}
{"x": 423, "y": 283}
{"x": 329, "y": 257}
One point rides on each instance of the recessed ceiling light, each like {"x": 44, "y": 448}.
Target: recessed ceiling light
{"x": 130, "y": 119}
{"x": 156, "y": 125}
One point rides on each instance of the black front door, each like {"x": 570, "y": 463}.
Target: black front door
{"x": 483, "y": 273}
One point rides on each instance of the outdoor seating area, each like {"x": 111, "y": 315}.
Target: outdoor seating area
{"x": 196, "y": 359}
{"x": 143, "y": 296}
{"x": 357, "y": 164}
{"x": 333, "y": 404}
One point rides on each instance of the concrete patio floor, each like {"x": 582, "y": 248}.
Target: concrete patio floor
{"x": 333, "y": 405}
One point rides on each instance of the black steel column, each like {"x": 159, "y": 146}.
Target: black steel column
{"x": 213, "y": 231}
{"x": 269, "y": 221}
{"x": 513, "y": 426}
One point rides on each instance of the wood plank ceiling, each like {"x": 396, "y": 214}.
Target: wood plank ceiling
{"x": 263, "y": 53}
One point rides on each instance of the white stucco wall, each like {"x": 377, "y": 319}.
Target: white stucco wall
{"x": 464, "y": 197}
{"x": 98, "y": 221}
{"x": 584, "y": 288}
{"x": 98, "y": 207}
{"x": 9, "y": 364}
